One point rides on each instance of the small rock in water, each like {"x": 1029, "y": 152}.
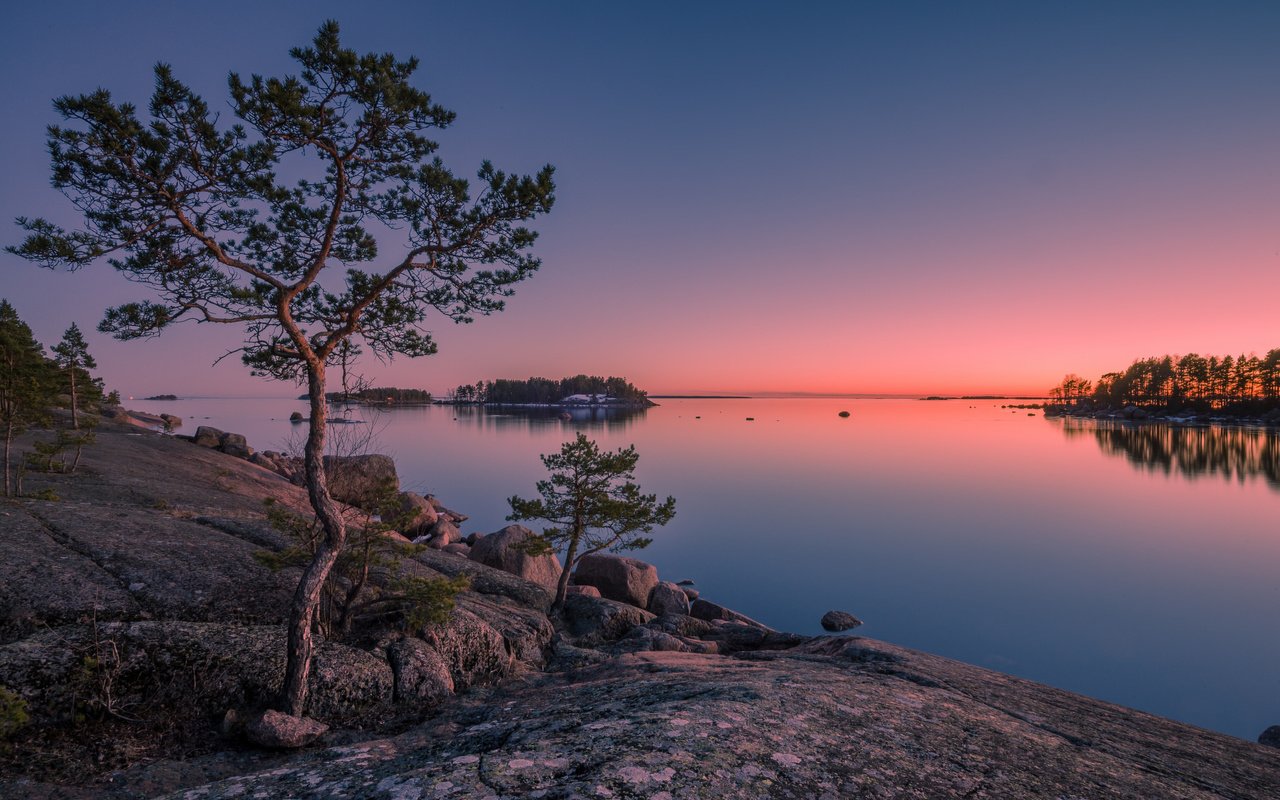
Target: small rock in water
{"x": 839, "y": 621}
{"x": 1270, "y": 737}
{"x": 844, "y": 413}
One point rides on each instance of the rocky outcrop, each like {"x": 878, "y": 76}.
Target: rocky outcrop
{"x": 841, "y": 718}
{"x": 503, "y": 550}
{"x": 595, "y": 621}
{"x": 1270, "y": 737}
{"x": 627, "y": 580}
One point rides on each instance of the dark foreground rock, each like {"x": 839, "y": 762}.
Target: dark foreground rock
{"x": 839, "y": 718}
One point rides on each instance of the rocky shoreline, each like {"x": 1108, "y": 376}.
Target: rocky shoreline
{"x": 143, "y": 636}
{"x": 1178, "y": 417}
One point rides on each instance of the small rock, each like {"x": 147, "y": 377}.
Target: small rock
{"x": 839, "y": 621}
{"x": 589, "y": 591}
{"x": 667, "y": 598}
{"x": 281, "y": 731}
{"x": 1270, "y": 737}
{"x": 296, "y": 417}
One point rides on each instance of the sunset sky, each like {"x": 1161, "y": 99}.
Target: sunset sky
{"x": 763, "y": 197}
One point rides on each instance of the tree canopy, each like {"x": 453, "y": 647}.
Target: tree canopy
{"x": 593, "y": 504}
{"x": 322, "y": 215}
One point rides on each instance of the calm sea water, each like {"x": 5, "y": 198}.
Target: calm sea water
{"x": 1140, "y": 565}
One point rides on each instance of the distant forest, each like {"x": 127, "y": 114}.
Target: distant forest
{"x": 546, "y": 390}
{"x": 1183, "y": 381}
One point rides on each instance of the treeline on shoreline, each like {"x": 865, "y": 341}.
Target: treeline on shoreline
{"x": 547, "y": 391}
{"x": 1244, "y": 384}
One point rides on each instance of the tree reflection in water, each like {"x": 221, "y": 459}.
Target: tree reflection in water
{"x": 1227, "y": 452}
{"x": 508, "y": 417}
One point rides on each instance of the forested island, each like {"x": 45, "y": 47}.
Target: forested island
{"x": 380, "y": 396}
{"x": 574, "y": 391}
{"x": 1172, "y": 386}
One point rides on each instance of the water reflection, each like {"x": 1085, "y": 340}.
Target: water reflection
{"x": 1225, "y": 452}
{"x": 509, "y": 417}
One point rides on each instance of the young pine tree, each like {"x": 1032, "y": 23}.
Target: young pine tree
{"x": 593, "y": 503}
{"x": 72, "y": 357}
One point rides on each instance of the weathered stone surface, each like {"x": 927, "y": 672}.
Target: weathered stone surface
{"x": 487, "y": 580}
{"x": 736, "y": 636}
{"x": 282, "y": 731}
{"x": 458, "y": 548}
{"x": 419, "y": 514}
{"x": 627, "y": 580}
{"x": 474, "y": 651}
{"x": 208, "y": 437}
{"x": 181, "y": 569}
{"x": 667, "y": 598}
{"x": 596, "y": 620}
{"x": 589, "y": 591}
{"x": 501, "y": 550}
{"x": 359, "y": 480}
{"x": 786, "y": 725}
{"x": 42, "y": 582}
{"x": 422, "y": 676}
{"x": 200, "y": 668}
{"x": 837, "y": 621}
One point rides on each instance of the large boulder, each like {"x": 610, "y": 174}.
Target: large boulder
{"x": 627, "y": 580}
{"x": 594, "y": 620}
{"x": 419, "y": 515}
{"x": 361, "y": 480}
{"x": 208, "y": 437}
{"x": 422, "y": 676}
{"x": 667, "y": 598}
{"x": 502, "y": 550}
{"x": 234, "y": 444}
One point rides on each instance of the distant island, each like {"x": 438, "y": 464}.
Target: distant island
{"x": 579, "y": 390}
{"x": 161, "y": 397}
{"x": 380, "y": 396}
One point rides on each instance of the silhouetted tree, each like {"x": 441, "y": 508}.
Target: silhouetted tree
{"x": 26, "y": 384}
{"x": 72, "y": 357}
{"x": 216, "y": 221}
{"x": 593, "y": 503}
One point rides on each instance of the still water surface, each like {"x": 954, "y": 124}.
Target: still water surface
{"x": 1140, "y": 565}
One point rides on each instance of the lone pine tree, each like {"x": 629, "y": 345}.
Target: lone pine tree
{"x": 593, "y": 504}
{"x": 204, "y": 215}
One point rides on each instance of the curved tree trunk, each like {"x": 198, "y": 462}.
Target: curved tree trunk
{"x": 562, "y": 587}
{"x": 306, "y": 599}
